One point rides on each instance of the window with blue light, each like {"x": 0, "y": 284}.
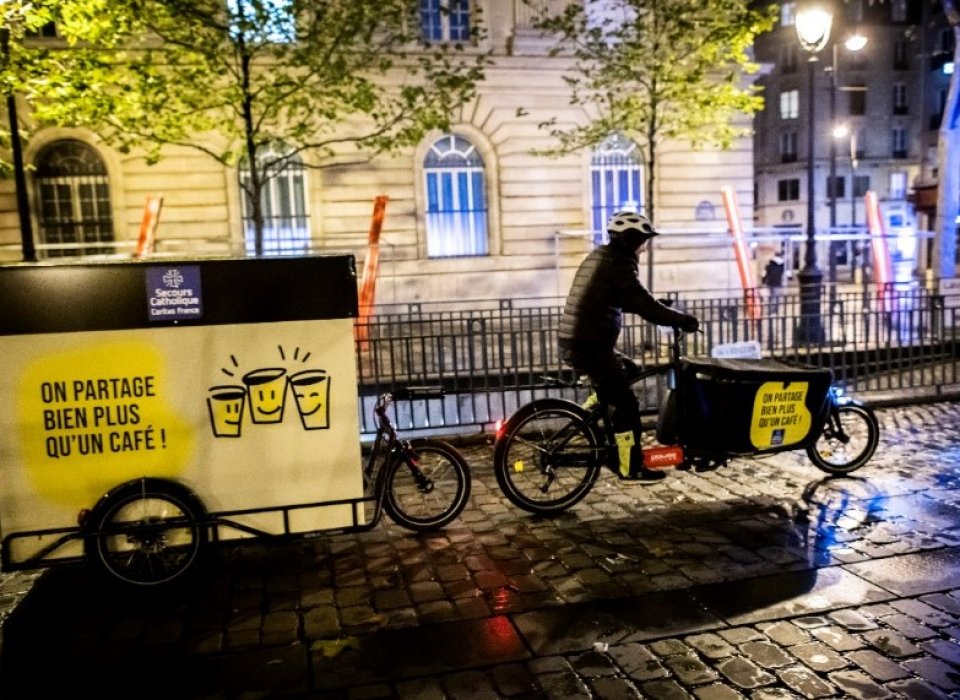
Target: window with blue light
{"x": 615, "y": 181}
{"x": 445, "y": 20}
{"x": 456, "y": 199}
{"x": 263, "y": 21}
{"x": 283, "y": 201}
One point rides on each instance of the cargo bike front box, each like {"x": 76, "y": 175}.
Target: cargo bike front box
{"x": 175, "y": 401}
{"x": 732, "y": 407}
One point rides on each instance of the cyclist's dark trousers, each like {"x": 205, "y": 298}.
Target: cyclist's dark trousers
{"x": 611, "y": 374}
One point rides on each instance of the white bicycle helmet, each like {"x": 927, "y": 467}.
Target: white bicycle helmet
{"x": 629, "y": 223}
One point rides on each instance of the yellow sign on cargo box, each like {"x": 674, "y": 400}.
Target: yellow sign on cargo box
{"x": 99, "y": 409}
{"x": 780, "y": 415}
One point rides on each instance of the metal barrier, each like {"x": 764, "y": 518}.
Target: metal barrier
{"x": 497, "y": 356}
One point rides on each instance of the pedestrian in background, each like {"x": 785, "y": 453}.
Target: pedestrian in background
{"x": 773, "y": 280}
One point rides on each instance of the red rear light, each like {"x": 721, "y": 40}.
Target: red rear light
{"x": 82, "y": 516}
{"x": 498, "y": 428}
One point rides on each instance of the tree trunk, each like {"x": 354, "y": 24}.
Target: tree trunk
{"x": 254, "y": 188}
{"x": 651, "y": 188}
{"x": 948, "y": 164}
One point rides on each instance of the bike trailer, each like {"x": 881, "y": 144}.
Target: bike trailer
{"x": 227, "y": 387}
{"x": 742, "y": 406}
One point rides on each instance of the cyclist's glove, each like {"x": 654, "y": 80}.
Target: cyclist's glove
{"x": 690, "y": 324}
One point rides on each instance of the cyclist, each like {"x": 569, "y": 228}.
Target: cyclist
{"x": 605, "y": 285}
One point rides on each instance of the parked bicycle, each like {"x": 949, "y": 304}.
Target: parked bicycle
{"x": 548, "y": 455}
{"x": 150, "y": 531}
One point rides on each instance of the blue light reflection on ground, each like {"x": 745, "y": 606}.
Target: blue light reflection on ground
{"x": 838, "y": 506}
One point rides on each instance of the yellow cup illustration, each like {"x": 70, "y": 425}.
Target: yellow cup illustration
{"x": 311, "y": 388}
{"x": 267, "y": 389}
{"x": 226, "y": 410}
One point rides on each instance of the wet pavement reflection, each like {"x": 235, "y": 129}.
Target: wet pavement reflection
{"x": 765, "y": 579}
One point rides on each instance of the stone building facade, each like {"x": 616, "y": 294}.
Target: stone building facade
{"x": 520, "y": 222}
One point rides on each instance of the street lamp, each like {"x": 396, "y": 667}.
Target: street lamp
{"x": 20, "y": 181}
{"x": 813, "y": 30}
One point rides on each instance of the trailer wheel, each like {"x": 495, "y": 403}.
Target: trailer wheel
{"x": 147, "y": 533}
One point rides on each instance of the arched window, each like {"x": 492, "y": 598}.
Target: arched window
{"x": 615, "y": 172}
{"x": 73, "y": 192}
{"x": 705, "y": 211}
{"x": 283, "y": 200}
{"x": 456, "y": 199}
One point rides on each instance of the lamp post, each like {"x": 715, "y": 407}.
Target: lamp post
{"x": 28, "y": 249}
{"x": 813, "y": 30}
{"x": 842, "y": 131}
{"x": 855, "y": 42}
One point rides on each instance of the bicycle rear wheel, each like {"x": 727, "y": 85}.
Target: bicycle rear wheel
{"x": 548, "y": 456}
{"x": 147, "y": 533}
{"x": 431, "y": 493}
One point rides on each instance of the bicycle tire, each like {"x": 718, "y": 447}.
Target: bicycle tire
{"x": 532, "y": 443}
{"x": 830, "y": 454}
{"x": 147, "y": 533}
{"x": 423, "y": 509}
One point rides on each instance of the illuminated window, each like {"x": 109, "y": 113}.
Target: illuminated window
{"x": 262, "y": 21}
{"x": 789, "y": 104}
{"x": 788, "y": 14}
{"x": 283, "y": 203}
{"x": 456, "y": 199}
{"x": 445, "y": 20}
{"x": 615, "y": 182}
{"x": 898, "y": 185}
{"x": 705, "y": 211}
{"x": 73, "y": 192}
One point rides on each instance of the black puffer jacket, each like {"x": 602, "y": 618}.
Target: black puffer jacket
{"x": 607, "y": 284}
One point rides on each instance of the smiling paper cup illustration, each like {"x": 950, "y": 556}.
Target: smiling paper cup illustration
{"x": 226, "y": 410}
{"x": 267, "y": 389}
{"x": 311, "y": 388}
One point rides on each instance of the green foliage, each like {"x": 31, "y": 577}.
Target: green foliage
{"x": 338, "y": 80}
{"x": 656, "y": 69}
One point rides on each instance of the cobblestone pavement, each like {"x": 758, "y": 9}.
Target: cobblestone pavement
{"x": 760, "y": 580}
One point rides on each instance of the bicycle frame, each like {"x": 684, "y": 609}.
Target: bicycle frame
{"x": 387, "y": 443}
{"x": 704, "y": 457}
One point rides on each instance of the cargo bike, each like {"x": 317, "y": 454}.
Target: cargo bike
{"x": 549, "y": 453}
{"x": 155, "y": 409}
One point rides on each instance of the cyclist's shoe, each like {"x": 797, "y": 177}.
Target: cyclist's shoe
{"x": 631, "y": 460}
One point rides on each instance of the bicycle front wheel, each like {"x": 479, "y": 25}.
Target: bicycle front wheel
{"x": 548, "y": 456}
{"x": 848, "y": 443}
{"x": 431, "y": 489}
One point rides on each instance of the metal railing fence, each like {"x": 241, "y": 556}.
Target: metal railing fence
{"x": 494, "y": 357}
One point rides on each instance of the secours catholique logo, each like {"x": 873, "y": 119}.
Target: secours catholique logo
{"x": 173, "y": 293}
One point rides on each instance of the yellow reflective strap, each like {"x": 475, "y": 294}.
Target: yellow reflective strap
{"x": 625, "y": 441}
